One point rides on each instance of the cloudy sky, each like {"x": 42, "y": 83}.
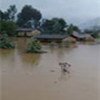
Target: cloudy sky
{"x": 74, "y": 11}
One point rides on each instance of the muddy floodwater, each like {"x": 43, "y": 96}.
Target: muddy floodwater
{"x": 39, "y": 77}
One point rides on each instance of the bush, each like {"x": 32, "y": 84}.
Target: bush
{"x": 34, "y": 46}
{"x": 5, "y": 42}
{"x": 95, "y": 34}
{"x": 8, "y": 26}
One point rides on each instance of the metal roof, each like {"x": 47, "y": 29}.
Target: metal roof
{"x": 24, "y": 30}
{"x": 50, "y": 36}
{"x": 80, "y": 35}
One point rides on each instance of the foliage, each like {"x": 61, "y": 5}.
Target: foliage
{"x": 55, "y": 26}
{"x": 11, "y": 12}
{"x": 9, "y": 15}
{"x": 95, "y": 34}
{"x": 1, "y": 15}
{"x": 28, "y": 13}
{"x": 72, "y": 28}
{"x": 34, "y": 46}
{"x": 8, "y": 26}
{"x": 5, "y": 42}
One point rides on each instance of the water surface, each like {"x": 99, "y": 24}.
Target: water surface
{"x": 39, "y": 77}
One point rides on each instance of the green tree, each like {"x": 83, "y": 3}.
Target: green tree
{"x": 28, "y": 13}
{"x": 34, "y": 46}
{"x": 59, "y": 25}
{"x": 1, "y": 15}
{"x": 4, "y": 15}
{"x": 8, "y": 26}
{"x": 55, "y": 26}
{"x": 9, "y": 15}
{"x": 72, "y": 28}
{"x": 11, "y": 12}
{"x": 47, "y": 26}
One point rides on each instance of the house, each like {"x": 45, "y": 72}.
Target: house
{"x": 27, "y": 32}
{"x": 70, "y": 39}
{"x": 50, "y": 37}
{"x": 82, "y": 36}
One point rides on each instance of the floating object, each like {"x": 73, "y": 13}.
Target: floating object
{"x": 64, "y": 66}
{"x": 52, "y": 70}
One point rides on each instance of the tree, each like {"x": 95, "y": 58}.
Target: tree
{"x": 55, "y": 26}
{"x": 75, "y": 28}
{"x": 1, "y": 15}
{"x": 59, "y": 25}
{"x": 11, "y": 12}
{"x": 72, "y": 28}
{"x": 34, "y": 46}
{"x": 47, "y": 26}
{"x": 8, "y": 26}
{"x": 4, "y": 15}
{"x": 28, "y": 13}
{"x": 9, "y": 15}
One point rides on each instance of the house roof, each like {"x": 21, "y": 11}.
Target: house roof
{"x": 80, "y": 35}
{"x": 49, "y": 36}
{"x": 24, "y": 30}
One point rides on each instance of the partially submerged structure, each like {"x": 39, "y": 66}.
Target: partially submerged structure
{"x": 70, "y": 39}
{"x": 50, "y": 37}
{"x": 27, "y": 32}
{"x": 82, "y": 36}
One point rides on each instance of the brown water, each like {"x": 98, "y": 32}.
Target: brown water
{"x": 39, "y": 77}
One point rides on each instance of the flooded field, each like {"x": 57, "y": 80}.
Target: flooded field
{"x": 39, "y": 77}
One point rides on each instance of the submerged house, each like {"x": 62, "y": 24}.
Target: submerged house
{"x": 27, "y": 32}
{"x": 70, "y": 39}
{"x": 49, "y": 37}
{"x": 82, "y": 36}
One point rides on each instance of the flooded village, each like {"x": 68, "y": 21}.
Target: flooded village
{"x": 47, "y": 59}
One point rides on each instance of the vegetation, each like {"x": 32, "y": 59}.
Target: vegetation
{"x": 30, "y": 17}
{"x": 72, "y": 28}
{"x": 96, "y": 34}
{"x": 7, "y": 20}
{"x": 8, "y": 26}
{"x": 5, "y": 42}
{"x": 28, "y": 13}
{"x": 8, "y": 15}
{"x": 53, "y": 26}
{"x": 34, "y": 46}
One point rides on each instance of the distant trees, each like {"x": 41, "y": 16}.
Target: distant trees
{"x": 1, "y": 15}
{"x": 28, "y": 13}
{"x": 8, "y": 15}
{"x": 7, "y": 20}
{"x": 30, "y": 17}
{"x": 72, "y": 28}
{"x": 11, "y": 12}
{"x": 55, "y": 25}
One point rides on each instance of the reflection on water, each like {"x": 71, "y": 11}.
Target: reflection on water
{"x": 64, "y": 76}
{"x": 33, "y": 76}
